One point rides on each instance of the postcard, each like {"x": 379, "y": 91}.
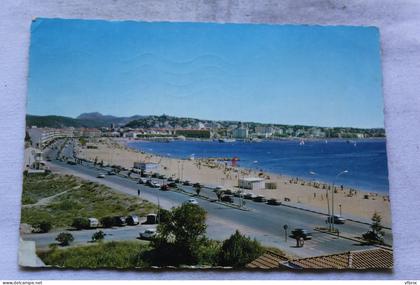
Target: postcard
{"x": 204, "y": 146}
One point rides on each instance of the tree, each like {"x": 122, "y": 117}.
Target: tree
{"x": 376, "y": 233}
{"x": 164, "y": 216}
{"x": 80, "y": 223}
{"x": 239, "y": 250}
{"x": 64, "y": 238}
{"x": 44, "y": 227}
{"x": 180, "y": 235}
{"x": 98, "y": 236}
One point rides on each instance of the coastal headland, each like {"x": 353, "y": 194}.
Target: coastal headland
{"x": 309, "y": 194}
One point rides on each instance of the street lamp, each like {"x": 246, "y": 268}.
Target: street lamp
{"x": 332, "y": 199}
{"x": 326, "y": 195}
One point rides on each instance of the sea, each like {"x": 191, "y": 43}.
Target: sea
{"x": 363, "y": 161}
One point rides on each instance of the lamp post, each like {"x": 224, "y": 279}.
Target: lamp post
{"x": 326, "y": 197}
{"x": 332, "y": 199}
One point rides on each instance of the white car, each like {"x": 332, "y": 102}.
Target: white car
{"x": 155, "y": 185}
{"x": 192, "y": 201}
{"x": 148, "y": 234}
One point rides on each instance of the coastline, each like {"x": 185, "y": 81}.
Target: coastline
{"x": 312, "y": 193}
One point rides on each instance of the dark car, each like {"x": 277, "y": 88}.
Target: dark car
{"x": 132, "y": 220}
{"x": 260, "y": 198}
{"x": 161, "y": 176}
{"x": 111, "y": 173}
{"x": 177, "y": 180}
{"x": 227, "y": 198}
{"x": 273, "y": 201}
{"x": 248, "y": 196}
{"x": 164, "y": 187}
{"x": 197, "y": 185}
{"x": 71, "y": 162}
{"x": 155, "y": 175}
{"x": 298, "y": 233}
{"x": 172, "y": 185}
{"x": 186, "y": 183}
{"x": 228, "y": 192}
{"x": 119, "y": 221}
{"x": 170, "y": 179}
{"x": 238, "y": 194}
{"x": 336, "y": 220}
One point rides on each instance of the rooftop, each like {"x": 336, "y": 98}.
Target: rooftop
{"x": 376, "y": 258}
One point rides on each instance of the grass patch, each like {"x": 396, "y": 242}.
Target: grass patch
{"x": 83, "y": 199}
{"x": 124, "y": 254}
{"x": 38, "y": 186}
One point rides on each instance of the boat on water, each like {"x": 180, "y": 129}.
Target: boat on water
{"x": 302, "y": 142}
{"x": 226, "y": 140}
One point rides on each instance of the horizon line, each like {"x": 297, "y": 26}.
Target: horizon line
{"x": 215, "y": 120}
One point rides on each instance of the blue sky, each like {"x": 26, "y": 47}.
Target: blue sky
{"x": 312, "y": 75}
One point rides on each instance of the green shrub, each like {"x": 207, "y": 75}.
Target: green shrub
{"x": 64, "y": 238}
{"x": 239, "y": 250}
{"x": 98, "y": 236}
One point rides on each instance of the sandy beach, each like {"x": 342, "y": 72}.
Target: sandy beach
{"x": 353, "y": 202}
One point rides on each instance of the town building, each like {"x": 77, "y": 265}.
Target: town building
{"x": 41, "y": 137}
{"x": 264, "y": 131}
{"x": 146, "y": 166}
{"x": 240, "y": 133}
{"x": 252, "y": 183}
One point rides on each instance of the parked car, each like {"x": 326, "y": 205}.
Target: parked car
{"x": 151, "y": 219}
{"x": 111, "y": 173}
{"x": 192, "y": 201}
{"x": 71, "y": 162}
{"x": 250, "y": 196}
{"x": 336, "y": 220}
{"x": 161, "y": 176}
{"x": 155, "y": 175}
{"x": 186, "y": 183}
{"x": 132, "y": 220}
{"x": 48, "y": 158}
{"x": 101, "y": 175}
{"x": 227, "y": 198}
{"x": 218, "y": 188}
{"x": 238, "y": 193}
{"x": 119, "y": 221}
{"x": 177, "y": 180}
{"x": 142, "y": 180}
{"x": 228, "y": 192}
{"x": 172, "y": 185}
{"x": 260, "y": 199}
{"x": 153, "y": 184}
{"x": 164, "y": 187}
{"x": 93, "y": 222}
{"x": 148, "y": 234}
{"x": 197, "y": 185}
{"x": 273, "y": 201}
{"x": 170, "y": 179}
{"x": 298, "y": 233}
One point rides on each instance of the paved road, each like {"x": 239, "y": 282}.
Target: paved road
{"x": 261, "y": 221}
